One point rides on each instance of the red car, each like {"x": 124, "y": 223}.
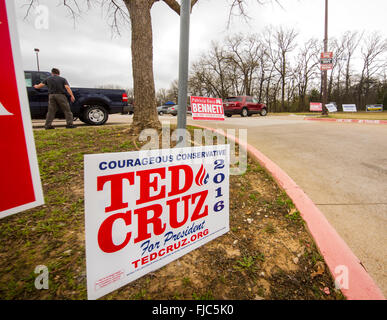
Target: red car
{"x": 246, "y": 106}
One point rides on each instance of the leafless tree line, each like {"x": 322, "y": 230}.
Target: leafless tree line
{"x": 285, "y": 75}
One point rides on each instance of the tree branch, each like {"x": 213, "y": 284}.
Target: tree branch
{"x": 174, "y": 5}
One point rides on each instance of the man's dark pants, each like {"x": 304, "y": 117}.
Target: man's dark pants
{"x": 55, "y": 101}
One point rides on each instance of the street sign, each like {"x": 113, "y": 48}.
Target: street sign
{"x": 20, "y": 185}
{"x": 325, "y": 67}
{"x": 207, "y": 108}
{"x": 145, "y": 209}
{"x": 326, "y": 61}
{"x": 326, "y": 55}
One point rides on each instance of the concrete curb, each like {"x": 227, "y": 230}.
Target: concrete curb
{"x": 337, "y": 255}
{"x": 348, "y": 120}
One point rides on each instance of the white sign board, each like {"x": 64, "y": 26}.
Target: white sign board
{"x": 349, "y": 108}
{"x": 331, "y": 107}
{"x": 145, "y": 209}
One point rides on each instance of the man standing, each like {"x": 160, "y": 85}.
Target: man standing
{"x": 57, "y": 88}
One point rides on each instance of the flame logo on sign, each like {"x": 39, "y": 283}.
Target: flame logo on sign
{"x": 3, "y": 111}
{"x": 201, "y": 177}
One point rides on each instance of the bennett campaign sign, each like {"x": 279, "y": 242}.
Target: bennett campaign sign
{"x": 145, "y": 209}
{"x": 316, "y": 106}
{"x": 20, "y": 186}
{"x": 207, "y": 108}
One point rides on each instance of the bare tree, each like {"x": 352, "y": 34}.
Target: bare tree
{"x": 138, "y": 12}
{"x": 306, "y": 69}
{"x": 350, "y": 40}
{"x": 372, "y": 52}
{"x": 280, "y": 43}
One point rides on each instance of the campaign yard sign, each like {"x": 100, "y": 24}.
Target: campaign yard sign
{"x": 145, "y": 209}
{"x": 374, "y": 108}
{"x": 349, "y": 108}
{"x": 20, "y": 185}
{"x": 207, "y": 108}
{"x": 331, "y": 107}
{"x": 315, "y": 106}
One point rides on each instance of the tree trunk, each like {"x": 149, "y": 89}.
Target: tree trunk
{"x": 145, "y": 113}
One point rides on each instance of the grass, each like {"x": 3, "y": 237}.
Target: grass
{"x": 53, "y": 234}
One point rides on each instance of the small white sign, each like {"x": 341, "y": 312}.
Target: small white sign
{"x": 331, "y": 107}
{"x": 349, "y": 108}
{"x": 145, "y": 209}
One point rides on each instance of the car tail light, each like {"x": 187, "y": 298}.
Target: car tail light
{"x": 124, "y": 97}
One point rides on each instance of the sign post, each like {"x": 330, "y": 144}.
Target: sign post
{"x": 20, "y": 185}
{"x": 185, "y": 13}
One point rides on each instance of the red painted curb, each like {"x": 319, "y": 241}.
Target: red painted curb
{"x": 348, "y": 120}
{"x": 337, "y": 255}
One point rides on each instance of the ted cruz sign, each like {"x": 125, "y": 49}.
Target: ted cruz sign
{"x": 207, "y": 108}
{"x": 20, "y": 186}
{"x": 145, "y": 209}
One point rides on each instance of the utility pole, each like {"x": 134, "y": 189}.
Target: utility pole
{"x": 185, "y": 12}
{"x": 325, "y": 72}
{"x": 37, "y": 57}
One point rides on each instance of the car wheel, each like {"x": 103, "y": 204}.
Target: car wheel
{"x": 245, "y": 112}
{"x": 228, "y": 115}
{"x": 161, "y": 113}
{"x": 263, "y": 112}
{"x": 95, "y": 115}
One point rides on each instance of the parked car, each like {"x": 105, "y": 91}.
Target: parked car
{"x": 174, "y": 109}
{"x": 246, "y": 106}
{"x": 128, "y": 109}
{"x": 162, "y": 109}
{"x": 91, "y": 106}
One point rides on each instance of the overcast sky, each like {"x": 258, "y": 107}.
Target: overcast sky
{"x": 89, "y": 55}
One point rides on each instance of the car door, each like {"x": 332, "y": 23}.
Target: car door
{"x": 33, "y": 96}
{"x": 42, "y": 94}
{"x": 250, "y": 105}
{"x": 257, "y": 105}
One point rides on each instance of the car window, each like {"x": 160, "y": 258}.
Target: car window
{"x": 28, "y": 77}
{"x": 42, "y": 76}
{"x": 249, "y": 99}
{"x": 255, "y": 100}
{"x": 233, "y": 99}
